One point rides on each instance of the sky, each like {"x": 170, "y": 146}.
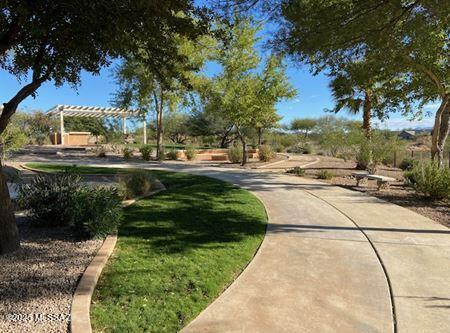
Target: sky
{"x": 313, "y": 95}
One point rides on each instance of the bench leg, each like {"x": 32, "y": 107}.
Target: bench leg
{"x": 382, "y": 185}
{"x": 361, "y": 181}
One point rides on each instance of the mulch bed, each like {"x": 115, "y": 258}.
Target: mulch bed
{"x": 37, "y": 282}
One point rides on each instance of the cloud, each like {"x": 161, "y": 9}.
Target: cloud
{"x": 297, "y": 100}
{"x": 396, "y": 124}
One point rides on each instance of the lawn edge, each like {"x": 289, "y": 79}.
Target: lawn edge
{"x": 227, "y": 287}
{"x": 80, "y": 316}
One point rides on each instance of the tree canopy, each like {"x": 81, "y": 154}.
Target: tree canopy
{"x": 407, "y": 40}
{"x": 243, "y": 96}
{"x": 55, "y": 40}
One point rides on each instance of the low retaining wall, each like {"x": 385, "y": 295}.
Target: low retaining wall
{"x": 214, "y": 154}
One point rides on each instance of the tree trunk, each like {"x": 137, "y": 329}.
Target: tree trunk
{"x": 244, "y": 147}
{"x": 159, "y": 135}
{"x": 367, "y": 115}
{"x": 440, "y": 130}
{"x": 9, "y": 234}
{"x": 259, "y": 136}
{"x": 224, "y": 140}
{"x": 159, "y": 126}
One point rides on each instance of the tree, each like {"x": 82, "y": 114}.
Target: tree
{"x": 14, "y": 137}
{"x": 142, "y": 86}
{"x": 274, "y": 86}
{"x": 39, "y": 126}
{"x": 406, "y": 39}
{"x": 304, "y": 125}
{"x": 242, "y": 96}
{"x": 78, "y": 124}
{"x": 55, "y": 40}
{"x": 205, "y": 123}
{"x": 177, "y": 127}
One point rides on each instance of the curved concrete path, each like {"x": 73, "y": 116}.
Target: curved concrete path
{"x": 333, "y": 260}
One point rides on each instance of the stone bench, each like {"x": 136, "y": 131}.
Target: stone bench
{"x": 383, "y": 182}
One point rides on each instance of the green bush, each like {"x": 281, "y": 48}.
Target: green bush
{"x": 235, "y": 154}
{"x": 172, "y": 154}
{"x": 430, "y": 180}
{"x": 146, "y": 151}
{"x": 50, "y": 198}
{"x": 162, "y": 155}
{"x": 97, "y": 211}
{"x": 299, "y": 171}
{"x": 265, "y": 153}
{"x": 62, "y": 200}
{"x": 127, "y": 153}
{"x": 408, "y": 163}
{"x": 135, "y": 184}
{"x": 300, "y": 149}
{"x": 307, "y": 149}
{"x": 279, "y": 148}
{"x": 190, "y": 153}
{"x": 325, "y": 174}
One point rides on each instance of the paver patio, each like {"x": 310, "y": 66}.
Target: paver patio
{"x": 333, "y": 260}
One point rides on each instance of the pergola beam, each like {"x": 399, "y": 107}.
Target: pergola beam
{"x": 95, "y": 112}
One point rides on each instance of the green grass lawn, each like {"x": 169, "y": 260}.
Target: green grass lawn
{"x": 176, "y": 252}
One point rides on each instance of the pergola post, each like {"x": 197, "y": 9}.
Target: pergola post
{"x": 124, "y": 124}
{"x": 63, "y": 111}
{"x": 144, "y": 123}
{"x": 61, "y": 126}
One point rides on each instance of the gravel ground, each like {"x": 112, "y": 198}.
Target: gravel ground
{"x": 37, "y": 282}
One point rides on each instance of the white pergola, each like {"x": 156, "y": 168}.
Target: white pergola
{"x": 95, "y": 112}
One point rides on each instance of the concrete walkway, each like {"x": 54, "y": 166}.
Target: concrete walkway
{"x": 333, "y": 260}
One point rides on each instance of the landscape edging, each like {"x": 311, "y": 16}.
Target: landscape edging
{"x": 288, "y": 157}
{"x": 80, "y": 319}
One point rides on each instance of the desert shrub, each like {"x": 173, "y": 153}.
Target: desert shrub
{"x": 127, "y": 153}
{"x": 300, "y": 149}
{"x": 430, "y": 180}
{"x": 172, "y": 154}
{"x": 408, "y": 163}
{"x": 299, "y": 171}
{"x": 100, "y": 151}
{"x": 346, "y": 156}
{"x": 295, "y": 149}
{"x": 325, "y": 174}
{"x": 190, "y": 153}
{"x": 50, "y": 198}
{"x": 62, "y": 200}
{"x": 265, "y": 153}
{"x": 235, "y": 154}
{"x": 97, "y": 211}
{"x": 135, "y": 184}
{"x": 364, "y": 157}
{"x": 279, "y": 148}
{"x": 307, "y": 149}
{"x": 146, "y": 151}
{"x": 162, "y": 154}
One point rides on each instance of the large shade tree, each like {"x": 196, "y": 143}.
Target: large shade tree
{"x": 407, "y": 39}
{"x": 244, "y": 97}
{"x": 162, "y": 89}
{"x": 55, "y": 40}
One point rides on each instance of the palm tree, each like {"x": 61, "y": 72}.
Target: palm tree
{"x": 354, "y": 97}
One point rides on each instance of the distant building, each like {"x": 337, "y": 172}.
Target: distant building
{"x": 407, "y": 135}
